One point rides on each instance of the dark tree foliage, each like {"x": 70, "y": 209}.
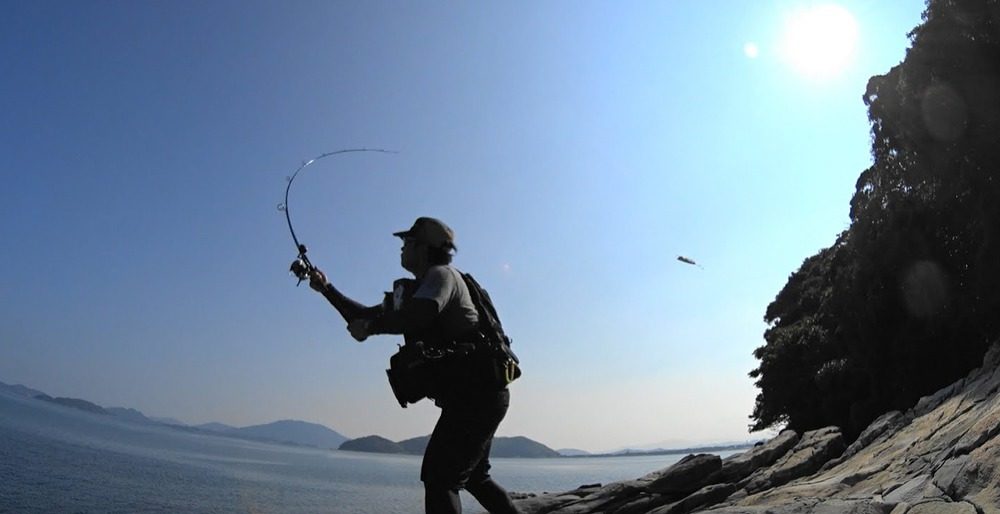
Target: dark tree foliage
{"x": 908, "y": 298}
{"x": 799, "y": 364}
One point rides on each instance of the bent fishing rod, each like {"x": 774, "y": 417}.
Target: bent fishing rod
{"x": 301, "y": 267}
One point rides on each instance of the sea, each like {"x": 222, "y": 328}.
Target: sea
{"x": 54, "y": 459}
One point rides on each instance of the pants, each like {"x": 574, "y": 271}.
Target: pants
{"x": 458, "y": 455}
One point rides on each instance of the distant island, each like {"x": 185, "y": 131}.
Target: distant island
{"x": 512, "y": 447}
{"x": 292, "y": 431}
{"x": 673, "y": 451}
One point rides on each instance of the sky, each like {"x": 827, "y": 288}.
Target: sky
{"x": 576, "y": 149}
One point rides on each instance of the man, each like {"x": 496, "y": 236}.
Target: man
{"x": 436, "y": 309}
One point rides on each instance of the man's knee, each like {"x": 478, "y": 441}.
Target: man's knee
{"x": 439, "y": 472}
{"x": 492, "y": 496}
{"x": 441, "y": 499}
{"x": 477, "y": 487}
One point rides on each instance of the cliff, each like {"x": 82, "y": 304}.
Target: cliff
{"x": 942, "y": 455}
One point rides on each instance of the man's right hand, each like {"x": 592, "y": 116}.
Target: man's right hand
{"x": 317, "y": 280}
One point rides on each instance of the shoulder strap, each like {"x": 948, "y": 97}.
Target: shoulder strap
{"x": 489, "y": 322}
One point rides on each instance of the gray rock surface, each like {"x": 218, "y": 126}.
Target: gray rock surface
{"x": 687, "y": 475}
{"x": 941, "y": 456}
{"x": 739, "y": 466}
{"x": 812, "y": 451}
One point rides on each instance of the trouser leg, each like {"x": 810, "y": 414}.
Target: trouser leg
{"x": 492, "y": 497}
{"x": 440, "y": 499}
{"x": 457, "y": 456}
{"x": 488, "y": 493}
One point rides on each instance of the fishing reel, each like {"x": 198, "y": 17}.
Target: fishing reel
{"x": 301, "y": 267}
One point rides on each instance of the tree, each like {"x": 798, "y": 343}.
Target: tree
{"x": 905, "y": 301}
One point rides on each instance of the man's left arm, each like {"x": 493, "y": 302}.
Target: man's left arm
{"x": 417, "y": 313}
{"x": 414, "y": 317}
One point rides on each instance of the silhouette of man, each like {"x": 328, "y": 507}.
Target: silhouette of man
{"x": 436, "y": 308}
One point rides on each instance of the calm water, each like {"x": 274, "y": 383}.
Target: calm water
{"x": 54, "y": 459}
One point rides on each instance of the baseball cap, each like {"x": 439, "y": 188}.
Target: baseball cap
{"x": 431, "y": 232}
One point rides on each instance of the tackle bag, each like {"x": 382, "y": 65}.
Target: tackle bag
{"x": 504, "y": 365}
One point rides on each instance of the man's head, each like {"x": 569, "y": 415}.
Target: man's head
{"x": 427, "y": 243}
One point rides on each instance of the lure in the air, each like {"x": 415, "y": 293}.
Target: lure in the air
{"x": 687, "y": 260}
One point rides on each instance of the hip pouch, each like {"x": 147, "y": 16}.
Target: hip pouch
{"x": 413, "y": 374}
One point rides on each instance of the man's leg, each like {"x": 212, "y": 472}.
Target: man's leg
{"x": 493, "y": 498}
{"x": 458, "y": 453}
{"x": 446, "y": 465}
{"x": 488, "y": 493}
{"x": 439, "y": 499}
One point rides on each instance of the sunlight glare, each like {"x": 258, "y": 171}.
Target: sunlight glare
{"x": 820, "y": 41}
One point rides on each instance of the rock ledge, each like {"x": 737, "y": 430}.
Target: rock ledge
{"x": 941, "y": 456}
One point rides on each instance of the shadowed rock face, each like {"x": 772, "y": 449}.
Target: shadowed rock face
{"x": 739, "y": 466}
{"x": 812, "y": 451}
{"x": 686, "y": 476}
{"x": 941, "y": 456}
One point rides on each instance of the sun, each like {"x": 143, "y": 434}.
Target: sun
{"x": 820, "y": 41}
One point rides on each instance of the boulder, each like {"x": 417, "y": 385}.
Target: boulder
{"x": 739, "y": 466}
{"x": 916, "y": 489}
{"x": 986, "y": 428}
{"x": 686, "y": 476}
{"x": 812, "y": 451}
{"x": 549, "y": 502}
{"x": 704, "y": 497}
{"x": 939, "y": 506}
{"x": 605, "y": 499}
{"x": 887, "y": 423}
{"x": 643, "y": 503}
{"x": 977, "y": 478}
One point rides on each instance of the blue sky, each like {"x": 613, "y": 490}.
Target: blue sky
{"x": 576, "y": 148}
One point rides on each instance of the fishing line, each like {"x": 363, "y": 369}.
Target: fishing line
{"x": 301, "y": 267}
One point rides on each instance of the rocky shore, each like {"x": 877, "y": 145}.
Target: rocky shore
{"x": 941, "y": 456}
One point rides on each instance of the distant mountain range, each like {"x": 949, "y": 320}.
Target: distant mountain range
{"x": 293, "y": 432}
{"x": 21, "y": 390}
{"x": 302, "y": 433}
{"x": 287, "y": 431}
{"x": 715, "y": 448}
{"x": 502, "y": 446}
{"x": 75, "y": 403}
{"x": 130, "y": 414}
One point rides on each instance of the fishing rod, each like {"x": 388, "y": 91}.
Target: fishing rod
{"x": 301, "y": 267}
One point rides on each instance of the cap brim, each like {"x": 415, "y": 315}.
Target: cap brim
{"x": 409, "y": 233}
